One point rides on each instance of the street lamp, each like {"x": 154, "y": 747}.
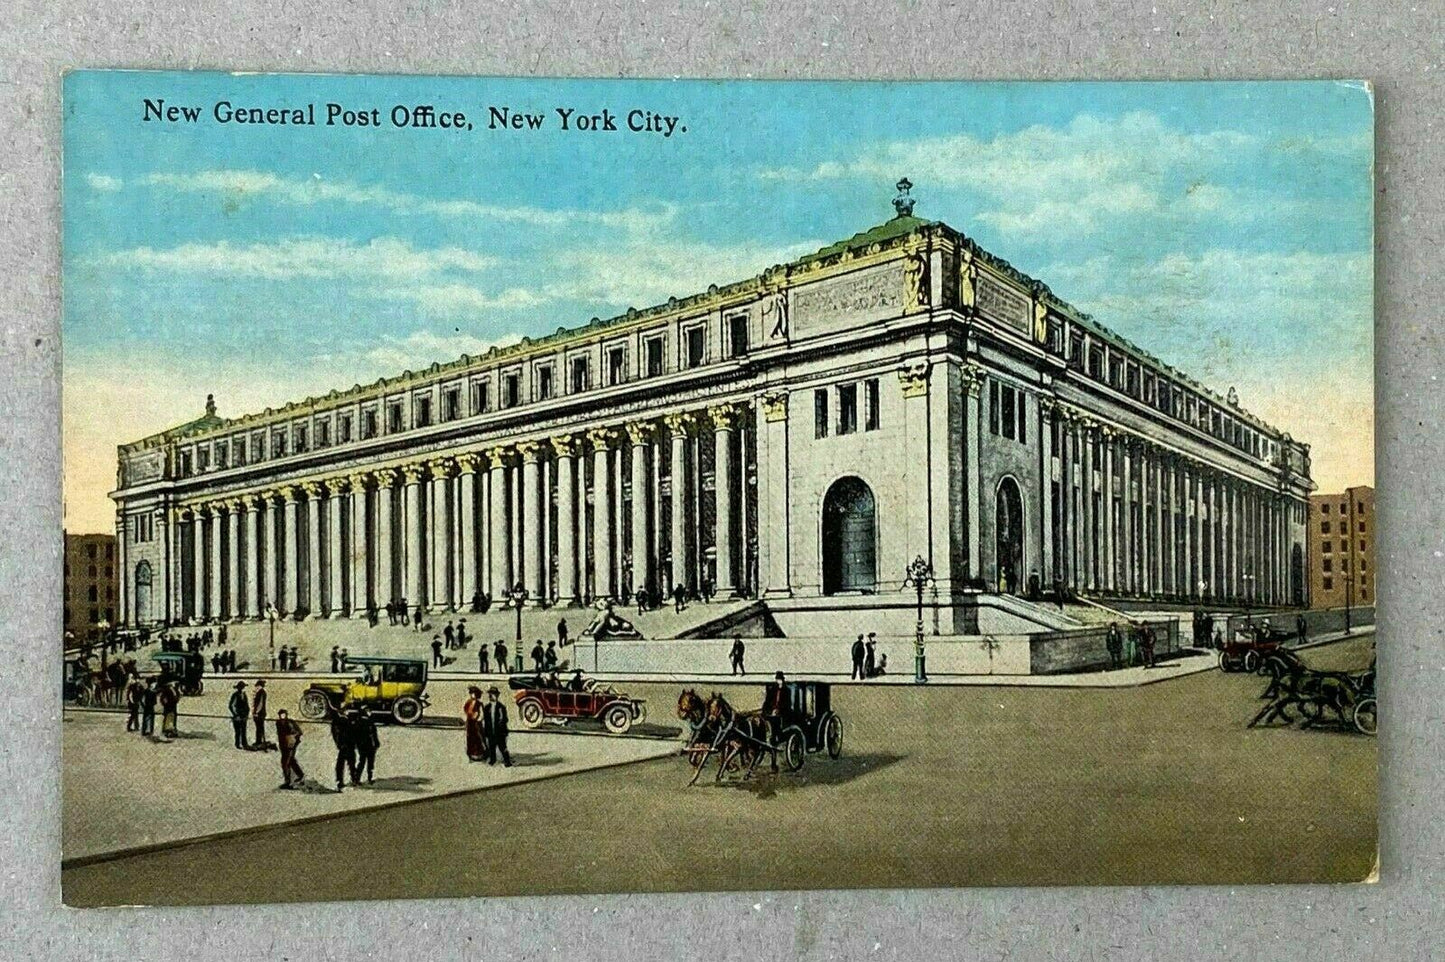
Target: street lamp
{"x": 516, "y": 598}
{"x": 271, "y": 615}
{"x": 919, "y": 575}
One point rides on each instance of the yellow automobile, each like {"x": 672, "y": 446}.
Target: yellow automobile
{"x": 386, "y": 686}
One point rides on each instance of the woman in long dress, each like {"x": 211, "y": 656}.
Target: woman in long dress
{"x": 472, "y": 712}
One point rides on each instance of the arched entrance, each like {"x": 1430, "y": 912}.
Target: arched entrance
{"x": 1008, "y": 536}
{"x": 142, "y": 608}
{"x": 850, "y": 538}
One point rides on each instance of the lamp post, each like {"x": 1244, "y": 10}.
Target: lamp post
{"x": 918, "y": 576}
{"x": 271, "y": 615}
{"x": 516, "y": 598}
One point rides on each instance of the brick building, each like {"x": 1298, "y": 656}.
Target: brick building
{"x": 91, "y": 590}
{"x": 1342, "y": 548}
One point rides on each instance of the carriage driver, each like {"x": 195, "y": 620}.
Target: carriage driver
{"x": 773, "y": 697}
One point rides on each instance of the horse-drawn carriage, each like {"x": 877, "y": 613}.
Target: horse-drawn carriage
{"x": 538, "y": 699}
{"x": 1348, "y": 695}
{"x": 806, "y": 724}
{"x": 183, "y": 668}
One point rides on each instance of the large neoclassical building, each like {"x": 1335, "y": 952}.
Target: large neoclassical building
{"x": 799, "y": 434}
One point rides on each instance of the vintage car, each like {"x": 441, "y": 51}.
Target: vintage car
{"x": 1249, "y": 648}
{"x": 183, "y": 668}
{"x": 387, "y": 686}
{"x": 537, "y": 700}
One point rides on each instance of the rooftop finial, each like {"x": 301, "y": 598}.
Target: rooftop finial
{"x": 903, "y": 203}
{"x": 210, "y": 405}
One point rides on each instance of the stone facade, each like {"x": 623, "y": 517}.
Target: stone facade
{"x": 805, "y": 432}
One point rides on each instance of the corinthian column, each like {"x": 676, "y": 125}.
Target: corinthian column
{"x": 530, "y": 524}
{"x": 601, "y": 439}
{"x": 233, "y": 559}
{"x": 336, "y": 490}
{"x": 269, "y": 503}
{"x": 313, "y": 492}
{"x": 199, "y": 554}
{"x": 439, "y": 528}
{"x": 566, "y": 447}
{"x": 640, "y": 435}
{"x": 724, "y": 417}
{"x": 679, "y": 426}
{"x": 252, "y": 605}
{"x": 501, "y": 548}
{"x": 384, "y": 588}
{"x": 467, "y": 527}
{"x": 291, "y": 575}
{"x": 213, "y": 545}
{"x": 356, "y": 548}
{"x": 415, "y": 544}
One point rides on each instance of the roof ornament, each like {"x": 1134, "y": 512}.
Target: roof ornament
{"x": 903, "y": 203}
{"x": 210, "y": 405}
{"x": 1233, "y": 397}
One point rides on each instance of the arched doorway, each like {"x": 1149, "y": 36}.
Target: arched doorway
{"x": 850, "y": 538}
{"x": 142, "y": 608}
{"x": 1008, "y": 536}
{"x": 1297, "y": 575}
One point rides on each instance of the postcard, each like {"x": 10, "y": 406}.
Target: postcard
{"x": 482, "y": 486}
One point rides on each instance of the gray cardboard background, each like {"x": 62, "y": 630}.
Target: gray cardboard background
{"x": 1397, "y": 45}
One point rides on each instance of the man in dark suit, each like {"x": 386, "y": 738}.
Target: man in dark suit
{"x": 240, "y": 710}
{"x": 539, "y": 656}
{"x": 857, "y": 659}
{"x": 499, "y": 656}
{"x": 343, "y": 738}
{"x": 367, "y": 742}
{"x": 774, "y": 698}
{"x": 494, "y": 728}
{"x": 736, "y": 655}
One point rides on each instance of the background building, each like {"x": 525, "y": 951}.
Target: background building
{"x": 1342, "y": 548}
{"x": 91, "y": 590}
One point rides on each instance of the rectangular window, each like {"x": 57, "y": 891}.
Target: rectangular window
{"x": 451, "y": 404}
{"x": 696, "y": 346}
{"x": 481, "y": 397}
{"x": 300, "y": 442}
{"x": 545, "y": 385}
{"x": 421, "y": 411}
{"x": 393, "y": 417}
{"x": 1327, "y": 565}
{"x": 238, "y": 452}
{"x": 847, "y": 409}
{"x": 1324, "y": 527}
{"x": 1007, "y": 416}
{"x": 368, "y": 424}
{"x": 1364, "y": 565}
{"x": 1326, "y": 547}
{"x": 871, "y": 418}
{"x": 323, "y": 434}
{"x": 992, "y": 407}
{"x": 1362, "y": 527}
{"x": 1096, "y": 362}
{"x": 203, "y": 459}
{"x": 222, "y": 450}
{"x": 653, "y": 346}
{"x": 616, "y": 365}
{"x": 820, "y": 413}
{"x": 511, "y": 390}
{"x": 278, "y": 444}
{"x": 1362, "y": 544}
{"x": 1324, "y": 509}
{"x": 580, "y": 378}
{"x": 343, "y": 429}
{"x": 1023, "y": 418}
{"x": 737, "y": 335}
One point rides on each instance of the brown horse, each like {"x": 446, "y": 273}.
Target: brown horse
{"x": 742, "y": 737}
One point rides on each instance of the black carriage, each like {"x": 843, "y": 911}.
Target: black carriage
{"x": 809, "y": 723}
{"x": 184, "y": 668}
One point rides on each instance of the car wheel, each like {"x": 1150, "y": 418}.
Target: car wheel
{"x": 833, "y": 736}
{"x": 639, "y": 713}
{"x": 530, "y": 712}
{"x": 1224, "y": 662}
{"x": 314, "y": 705}
{"x": 406, "y": 710}
{"x": 1251, "y": 661}
{"x": 1365, "y": 717}
{"x": 617, "y": 718}
{"x": 795, "y": 749}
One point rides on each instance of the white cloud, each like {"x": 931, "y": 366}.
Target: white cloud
{"x": 419, "y": 349}
{"x": 103, "y": 182}
{"x": 315, "y": 257}
{"x": 451, "y": 299}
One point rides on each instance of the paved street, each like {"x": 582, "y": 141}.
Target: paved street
{"x": 937, "y": 786}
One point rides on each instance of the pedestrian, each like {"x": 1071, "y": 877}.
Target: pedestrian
{"x": 148, "y": 708}
{"x": 215, "y": 663}
{"x": 416, "y": 619}
{"x": 641, "y": 601}
{"x": 494, "y": 729}
{"x": 1146, "y": 641}
{"x": 345, "y": 656}
{"x": 482, "y": 665}
{"x": 678, "y": 599}
{"x": 772, "y": 712}
{"x": 391, "y": 613}
{"x": 462, "y": 638}
{"x": 858, "y": 652}
{"x": 561, "y": 632}
{"x": 499, "y": 656}
{"x": 239, "y": 708}
{"x": 736, "y": 655}
{"x": 870, "y": 654}
{"x": 258, "y": 712}
{"x": 472, "y": 722}
{"x": 222, "y": 640}
{"x": 1131, "y": 645}
{"x": 367, "y": 742}
{"x": 170, "y": 699}
{"x": 1301, "y": 628}
{"x": 288, "y": 739}
{"x": 1115, "y": 645}
{"x": 283, "y": 659}
{"x": 450, "y": 634}
{"x": 371, "y": 619}
{"x": 436, "y": 651}
{"x": 539, "y": 655}
{"x": 132, "y": 705}
{"x": 273, "y": 659}
{"x": 341, "y": 737}
{"x": 295, "y": 658}
{"x": 549, "y": 658}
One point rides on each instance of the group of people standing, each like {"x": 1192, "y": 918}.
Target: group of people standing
{"x": 866, "y": 660}
{"x": 141, "y": 699}
{"x": 1134, "y": 646}
{"x": 486, "y": 726}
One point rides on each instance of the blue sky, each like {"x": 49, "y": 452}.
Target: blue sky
{"x": 1225, "y": 227}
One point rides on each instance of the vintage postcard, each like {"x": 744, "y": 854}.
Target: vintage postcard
{"x": 517, "y": 486}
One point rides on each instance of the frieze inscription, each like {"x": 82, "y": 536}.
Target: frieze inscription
{"x": 1002, "y": 303}
{"x": 864, "y": 296}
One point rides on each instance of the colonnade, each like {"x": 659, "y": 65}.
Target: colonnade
{"x": 1131, "y": 517}
{"x": 566, "y": 519}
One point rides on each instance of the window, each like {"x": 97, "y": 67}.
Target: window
{"x": 1056, "y": 336}
{"x": 1362, "y": 527}
{"x": 91, "y": 593}
{"x": 185, "y": 464}
{"x": 90, "y": 572}
{"x": 616, "y": 365}
{"x": 545, "y": 383}
{"x": 222, "y": 452}
{"x": 300, "y": 431}
{"x": 368, "y": 424}
{"x": 820, "y": 413}
{"x": 992, "y": 407}
{"x": 1362, "y": 544}
{"x": 1342, "y": 508}
{"x": 1328, "y": 583}
{"x": 323, "y": 433}
{"x": 653, "y": 346}
{"x": 737, "y": 335}
{"x": 696, "y": 346}
{"x": 1131, "y": 381}
{"x": 239, "y": 452}
{"x": 1360, "y": 507}
{"x": 871, "y": 417}
{"x": 847, "y": 409}
{"x": 1325, "y": 547}
{"x": 580, "y": 380}
{"x": 343, "y": 429}
{"x": 1006, "y": 414}
{"x": 1324, "y": 509}
{"x": 511, "y": 389}
{"x": 203, "y": 459}
{"x": 421, "y": 411}
{"x": 1326, "y": 565}
{"x": 1364, "y": 565}
{"x": 393, "y": 417}
{"x": 481, "y": 396}
{"x": 1096, "y": 362}
{"x": 278, "y": 444}
{"x": 1324, "y": 527}
{"x": 258, "y": 445}
{"x": 1076, "y": 351}
{"x": 451, "y": 404}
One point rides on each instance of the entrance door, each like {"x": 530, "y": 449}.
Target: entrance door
{"x": 1009, "y": 536}
{"x": 142, "y": 609}
{"x": 849, "y": 538}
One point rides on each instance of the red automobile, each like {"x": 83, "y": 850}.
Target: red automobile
{"x": 538, "y": 701}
